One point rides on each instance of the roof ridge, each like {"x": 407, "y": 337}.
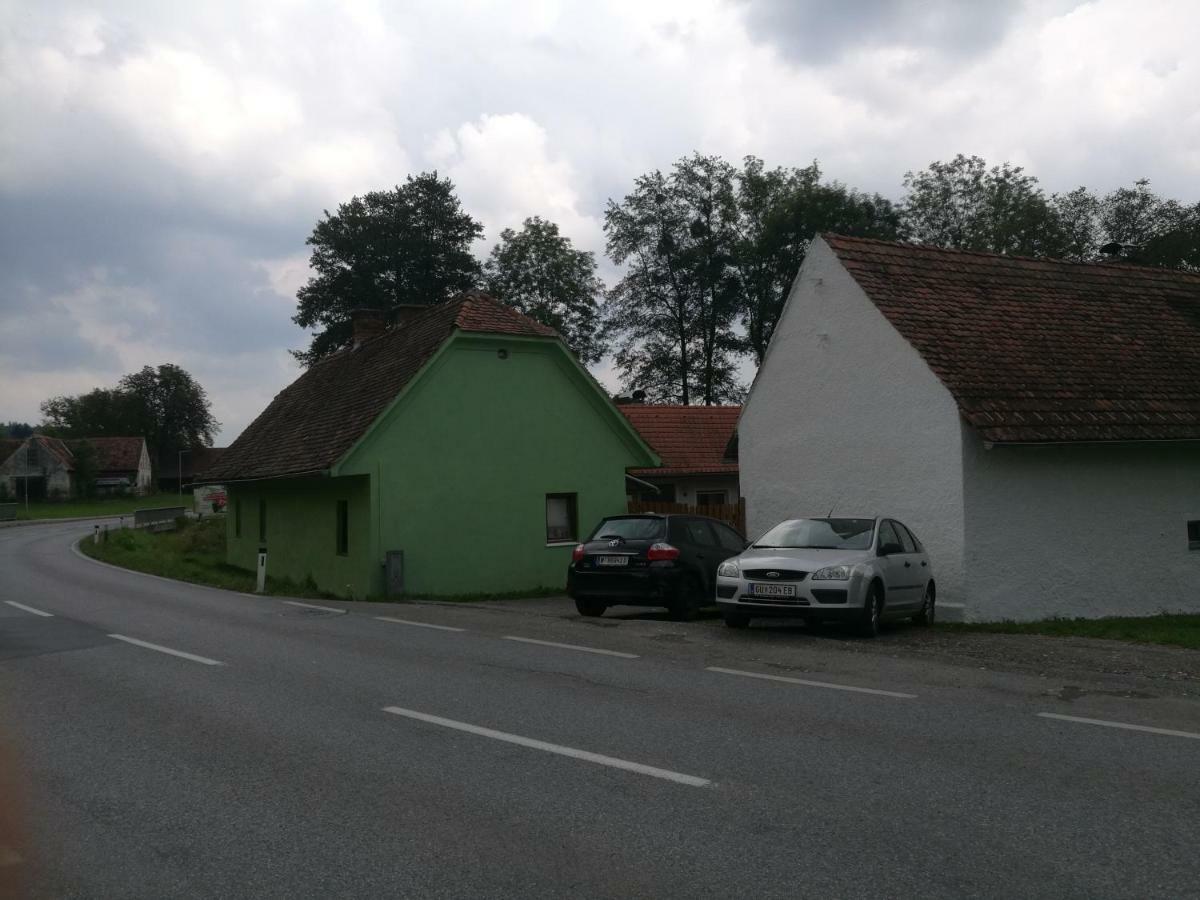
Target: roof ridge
{"x": 1014, "y": 257}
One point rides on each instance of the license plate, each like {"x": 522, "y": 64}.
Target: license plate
{"x": 772, "y": 590}
{"x": 612, "y": 560}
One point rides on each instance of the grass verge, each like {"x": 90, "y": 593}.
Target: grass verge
{"x": 108, "y": 506}
{"x": 193, "y": 552}
{"x": 1176, "y": 630}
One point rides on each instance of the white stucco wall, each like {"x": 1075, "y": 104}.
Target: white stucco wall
{"x": 844, "y": 414}
{"x": 1080, "y": 529}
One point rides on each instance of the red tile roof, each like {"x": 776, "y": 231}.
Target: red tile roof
{"x": 690, "y": 439}
{"x": 311, "y": 423}
{"x": 1037, "y": 350}
{"x": 113, "y": 454}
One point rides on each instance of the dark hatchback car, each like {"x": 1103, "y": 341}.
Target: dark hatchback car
{"x": 651, "y": 560}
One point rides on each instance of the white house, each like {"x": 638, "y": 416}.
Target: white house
{"x": 1035, "y": 422}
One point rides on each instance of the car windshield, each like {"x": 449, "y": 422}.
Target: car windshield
{"x": 819, "y": 534}
{"x": 631, "y": 529}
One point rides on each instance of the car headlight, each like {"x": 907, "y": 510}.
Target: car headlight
{"x": 833, "y": 573}
{"x": 728, "y": 569}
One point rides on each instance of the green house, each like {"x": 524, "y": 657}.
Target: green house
{"x": 463, "y": 450}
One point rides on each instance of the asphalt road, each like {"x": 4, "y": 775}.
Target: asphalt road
{"x": 289, "y": 751}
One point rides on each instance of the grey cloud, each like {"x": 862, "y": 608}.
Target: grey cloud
{"x": 815, "y": 32}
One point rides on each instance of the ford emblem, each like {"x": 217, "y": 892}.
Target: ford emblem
{"x": 772, "y": 574}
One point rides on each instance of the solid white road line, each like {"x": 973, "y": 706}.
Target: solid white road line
{"x": 1125, "y": 725}
{"x": 807, "y": 683}
{"x": 30, "y": 609}
{"x": 418, "y": 624}
{"x": 525, "y": 640}
{"x": 331, "y": 609}
{"x": 584, "y": 755}
{"x": 161, "y": 649}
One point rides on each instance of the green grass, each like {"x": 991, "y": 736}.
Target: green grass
{"x": 107, "y": 506}
{"x": 194, "y": 552}
{"x": 1165, "y": 628}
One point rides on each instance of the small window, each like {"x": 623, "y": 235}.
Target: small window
{"x": 710, "y": 498}
{"x": 561, "y": 519}
{"x": 906, "y": 540}
{"x": 262, "y": 521}
{"x": 343, "y": 527}
{"x": 1194, "y": 534}
{"x": 237, "y": 518}
{"x": 887, "y": 535}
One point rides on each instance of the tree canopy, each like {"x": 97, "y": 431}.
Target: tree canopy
{"x": 165, "y": 405}
{"x": 538, "y": 271}
{"x": 410, "y": 245}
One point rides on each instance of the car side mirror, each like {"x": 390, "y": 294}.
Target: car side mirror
{"x": 889, "y": 549}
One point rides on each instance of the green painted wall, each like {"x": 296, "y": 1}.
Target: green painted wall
{"x": 462, "y": 464}
{"x": 302, "y": 530}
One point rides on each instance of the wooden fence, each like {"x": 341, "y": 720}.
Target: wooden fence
{"x": 733, "y": 513}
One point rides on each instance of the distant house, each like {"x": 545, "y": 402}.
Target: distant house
{"x": 47, "y": 467}
{"x": 1036, "y": 423}
{"x": 695, "y": 443}
{"x": 195, "y": 460}
{"x": 463, "y": 451}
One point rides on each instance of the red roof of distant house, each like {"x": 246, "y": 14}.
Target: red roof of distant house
{"x": 1039, "y": 350}
{"x": 316, "y": 419}
{"x": 113, "y": 454}
{"x": 690, "y": 439}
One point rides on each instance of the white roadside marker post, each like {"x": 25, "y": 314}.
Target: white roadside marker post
{"x": 95, "y": 534}
{"x": 261, "y": 585}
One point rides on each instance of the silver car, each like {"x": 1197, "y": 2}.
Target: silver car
{"x": 845, "y": 569}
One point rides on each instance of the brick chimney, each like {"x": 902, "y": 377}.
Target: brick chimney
{"x": 367, "y": 324}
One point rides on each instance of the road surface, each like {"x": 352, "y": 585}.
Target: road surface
{"x": 176, "y": 741}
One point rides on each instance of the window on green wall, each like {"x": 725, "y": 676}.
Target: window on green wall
{"x": 262, "y": 521}
{"x": 237, "y": 518}
{"x": 561, "y": 518}
{"x": 343, "y": 527}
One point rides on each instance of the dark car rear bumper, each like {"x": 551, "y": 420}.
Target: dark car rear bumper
{"x": 652, "y": 586}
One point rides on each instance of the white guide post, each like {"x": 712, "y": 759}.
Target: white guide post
{"x": 261, "y": 585}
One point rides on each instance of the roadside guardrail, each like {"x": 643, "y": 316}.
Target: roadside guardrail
{"x": 158, "y": 519}
{"x": 8, "y": 511}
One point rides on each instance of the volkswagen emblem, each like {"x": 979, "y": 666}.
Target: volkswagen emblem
{"x": 772, "y": 574}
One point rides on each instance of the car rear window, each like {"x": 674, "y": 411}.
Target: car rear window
{"x": 649, "y": 528}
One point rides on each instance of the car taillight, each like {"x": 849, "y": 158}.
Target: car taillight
{"x": 577, "y": 553}
{"x": 662, "y": 551}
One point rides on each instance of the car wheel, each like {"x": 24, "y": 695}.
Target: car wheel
{"x": 928, "y": 607}
{"x": 736, "y": 619}
{"x": 591, "y": 608}
{"x": 687, "y": 600}
{"x": 872, "y": 612}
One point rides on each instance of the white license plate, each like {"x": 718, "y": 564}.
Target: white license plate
{"x": 612, "y": 560}
{"x": 772, "y": 590}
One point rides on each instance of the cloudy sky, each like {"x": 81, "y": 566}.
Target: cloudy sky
{"x": 161, "y": 163}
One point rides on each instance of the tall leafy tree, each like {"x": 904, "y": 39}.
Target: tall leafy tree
{"x": 779, "y": 212}
{"x": 962, "y": 204}
{"x": 165, "y": 405}
{"x": 409, "y": 245}
{"x": 1151, "y": 230}
{"x": 538, "y": 271}
{"x": 15, "y": 429}
{"x": 673, "y": 309}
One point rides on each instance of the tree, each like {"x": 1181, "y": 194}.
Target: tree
{"x": 165, "y": 405}
{"x": 779, "y": 212}
{"x": 409, "y": 245}
{"x": 1151, "y": 231}
{"x": 19, "y": 430}
{"x": 86, "y": 469}
{"x": 675, "y": 305}
{"x": 964, "y": 205}
{"x": 539, "y": 272}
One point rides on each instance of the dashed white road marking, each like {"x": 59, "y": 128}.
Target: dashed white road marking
{"x": 525, "y": 640}
{"x": 820, "y": 684}
{"x": 584, "y": 755}
{"x": 1105, "y": 723}
{"x": 332, "y": 609}
{"x": 161, "y": 649}
{"x": 30, "y": 609}
{"x": 418, "y": 624}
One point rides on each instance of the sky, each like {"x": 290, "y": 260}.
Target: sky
{"x": 162, "y": 163}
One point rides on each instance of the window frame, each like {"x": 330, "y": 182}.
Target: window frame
{"x": 342, "y": 528}
{"x": 572, "y": 499}
{"x": 262, "y": 520}
{"x": 724, "y": 495}
{"x": 237, "y": 517}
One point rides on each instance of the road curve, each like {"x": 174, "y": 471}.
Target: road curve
{"x": 177, "y": 741}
